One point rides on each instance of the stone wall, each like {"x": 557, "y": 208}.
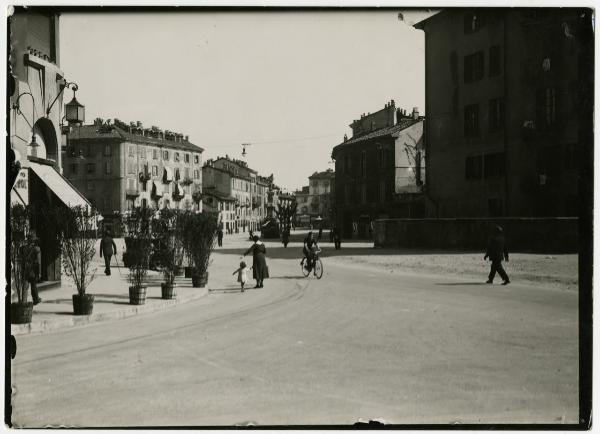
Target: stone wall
{"x": 543, "y": 235}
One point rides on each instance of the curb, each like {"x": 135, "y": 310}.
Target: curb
{"x": 77, "y": 321}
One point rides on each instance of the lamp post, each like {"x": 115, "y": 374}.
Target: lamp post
{"x": 33, "y": 143}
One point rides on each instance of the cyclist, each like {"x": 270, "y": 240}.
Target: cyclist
{"x": 310, "y": 246}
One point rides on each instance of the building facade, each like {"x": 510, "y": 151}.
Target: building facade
{"x": 503, "y": 130}
{"x": 118, "y": 166}
{"x": 36, "y": 86}
{"x": 321, "y": 188}
{"x": 237, "y": 191}
{"x": 302, "y": 209}
{"x": 379, "y": 171}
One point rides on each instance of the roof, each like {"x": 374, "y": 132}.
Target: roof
{"x": 94, "y": 132}
{"x": 382, "y": 132}
{"x": 229, "y": 172}
{"x": 421, "y": 24}
{"x": 327, "y": 174}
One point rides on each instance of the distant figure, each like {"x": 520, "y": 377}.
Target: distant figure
{"x": 220, "y": 236}
{"x": 107, "y": 248}
{"x": 337, "y": 239}
{"x": 260, "y": 271}
{"x": 285, "y": 237}
{"x": 320, "y": 232}
{"x": 331, "y": 235}
{"x": 242, "y": 273}
{"x": 496, "y": 251}
{"x": 251, "y": 232}
{"x": 34, "y": 257}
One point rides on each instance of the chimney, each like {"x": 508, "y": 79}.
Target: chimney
{"x": 398, "y": 115}
{"x": 415, "y": 113}
{"x": 187, "y": 138}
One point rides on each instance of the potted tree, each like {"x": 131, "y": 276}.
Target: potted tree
{"x": 167, "y": 233}
{"x": 202, "y": 229}
{"x": 20, "y": 262}
{"x": 76, "y": 228}
{"x": 187, "y": 241}
{"x": 139, "y": 249}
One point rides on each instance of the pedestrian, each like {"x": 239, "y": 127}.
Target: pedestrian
{"x": 260, "y": 270}
{"x": 220, "y": 236}
{"x": 331, "y": 235}
{"x": 251, "y": 232}
{"x": 107, "y": 248}
{"x": 34, "y": 259}
{"x": 285, "y": 237}
{"x": 337, "y": 239}
{"x": 242, "y": 273}
{"x": 497, "y": 251}
{"x": 320, "y": 232}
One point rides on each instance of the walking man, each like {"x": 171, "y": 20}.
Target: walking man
{"x": 497, "y": 251}
{"x": 220, "y": 236}
{"x": 107, "y": 248}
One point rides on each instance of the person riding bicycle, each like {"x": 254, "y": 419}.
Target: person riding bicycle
{"x": 309, "y": 249}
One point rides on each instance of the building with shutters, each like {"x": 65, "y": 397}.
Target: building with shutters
{"x": 36, "y": 86}
{"x": 119, "y": 165}
{"x": 379, "y": 171}
{"x": 504, "y": 92}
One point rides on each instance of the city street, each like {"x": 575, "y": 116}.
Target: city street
{"x": 359, "y": 343}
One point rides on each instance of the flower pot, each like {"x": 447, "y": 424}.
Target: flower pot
{"x": 199, "y": 280}
{"x": 167, "y": 291}
{"x": 188, "y": 272}
{"x": 21, "y": 313}
{"x": 83, "y": 304}
{"x": 137, "y": 294}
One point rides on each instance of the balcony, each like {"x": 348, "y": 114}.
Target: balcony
{"x": 132, "y": 192}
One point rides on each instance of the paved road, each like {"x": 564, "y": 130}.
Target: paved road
{"x": 355, "y": 344}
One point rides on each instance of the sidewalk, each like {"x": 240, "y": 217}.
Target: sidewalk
{"x": 111, "y": 298}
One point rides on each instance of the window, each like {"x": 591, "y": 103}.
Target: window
{"x": 74, "y": 168}
{"x": 107, "y": 151}
{"x": 176, "y": 156}
{"x": 473, "y": 22}
{"x": 177, "y": 175}
{"x": 473, "y": 167}
{"x": 166, "y": 155}
{"x": 418, "y": 165}
{"x": 154, "y": 170}
{"x": 196, "y": 174}
{"x": 381, "y": 155}
{"x": 132, "y": 151}
{"x": 550, "y": 105}
{"x": 472, "y": 120}
{"x": 107, "y": 168}
{"x": 347, "y": 163}
{"x": 473, "y": 67}
{"x": 348, "y": 193}
{"x": 493, "y": 165}
{"x": 382, "y": 191}
{"x": 91, "y": 168}
{"x": 495, "y": 61}
{"x": 187, "y": 158}
{"x": 90, "y": 151}
{"x": 143, "y": 152}
{"x": 496, "y": 114}
{"x": 363, "y": 164}
{"x": 186, "y": 172}
{"x": 155, "y": 154}
{"x": 495, "y": 207}
{"x": 131, "y": 168}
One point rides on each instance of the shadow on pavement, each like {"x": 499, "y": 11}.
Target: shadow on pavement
{"x": 463, "y": 283}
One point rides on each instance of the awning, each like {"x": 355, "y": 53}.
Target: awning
{"x": 65, "y": 191}
{"x": 157, "y": 188}
{"x": 168, "y": 174}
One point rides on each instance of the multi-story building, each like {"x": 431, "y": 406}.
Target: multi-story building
{"x": 118, "y": 166}
{"x": 302, "y": 209}
{"x": 232, "y": 187}
{"x": 36, "y": 85}
{"x": 379, "y": 171}
{"x": 504, "y": 121}
{"x": 321, "y": 192}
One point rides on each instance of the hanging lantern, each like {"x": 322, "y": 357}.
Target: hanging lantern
{"x": 74, "y": 111}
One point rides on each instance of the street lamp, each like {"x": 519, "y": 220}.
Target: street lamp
{"x": 74, "y": 111}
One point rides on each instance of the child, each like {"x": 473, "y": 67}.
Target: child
{"x": 242, "y": 274}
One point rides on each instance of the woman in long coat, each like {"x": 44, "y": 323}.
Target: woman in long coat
{"x": 260, "y": 270}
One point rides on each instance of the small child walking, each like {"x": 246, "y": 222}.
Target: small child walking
{"x": 242, "y": 273}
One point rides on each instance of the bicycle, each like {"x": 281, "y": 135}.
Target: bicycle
{"x": 316, "y": 267}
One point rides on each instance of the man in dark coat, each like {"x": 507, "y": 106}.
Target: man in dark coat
{"x": 107, "y": 249}
{"x": 497, "y": 251}
{"x": 34, "y": 254}
{"x": 220, "y": 236}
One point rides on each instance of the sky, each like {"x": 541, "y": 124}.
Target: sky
{"x": 288, "y": 83}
